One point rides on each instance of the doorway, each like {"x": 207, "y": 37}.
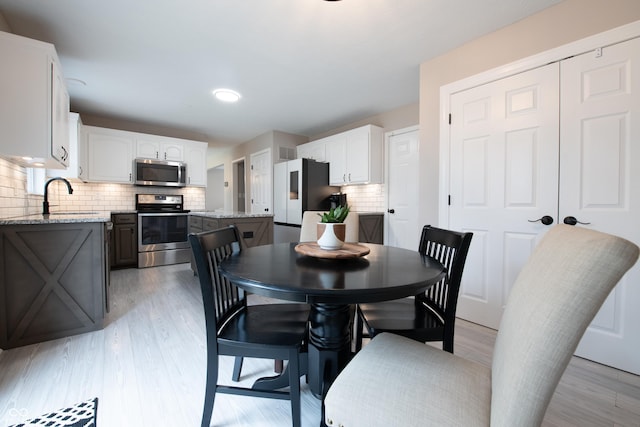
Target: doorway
{"x": 214, "y": 198}
{"x": 239, "y": 196}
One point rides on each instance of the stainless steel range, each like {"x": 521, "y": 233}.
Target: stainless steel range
{"x": 163, "y": 224}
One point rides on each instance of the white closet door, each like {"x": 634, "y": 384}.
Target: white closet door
{"x": 600, "y": 181}
{"x": 504, "y": 172}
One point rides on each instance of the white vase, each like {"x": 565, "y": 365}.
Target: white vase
{"x": 329, "y": 235}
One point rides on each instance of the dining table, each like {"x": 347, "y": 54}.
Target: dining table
{"x": 331, "y": 286}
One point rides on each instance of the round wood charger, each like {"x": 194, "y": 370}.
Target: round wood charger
{"x": 348, "y": 250}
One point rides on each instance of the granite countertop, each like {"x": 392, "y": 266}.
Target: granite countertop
{"x": 230, "y": 214}
{"x": 59, "y": 218}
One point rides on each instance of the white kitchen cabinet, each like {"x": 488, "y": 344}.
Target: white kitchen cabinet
{"x": 159, "y": 147}
{"x": 315, "y": 150}
{"x": 109, "y": 155}
{"x": 195, "y": 155}
{"x": 355, "y": 156}
{"x": 34, "y": 105}
{"x": 74, "y": 168}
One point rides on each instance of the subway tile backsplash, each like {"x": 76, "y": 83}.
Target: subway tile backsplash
{"x": 366, "y": 198}
{"x": 15, "y": 201}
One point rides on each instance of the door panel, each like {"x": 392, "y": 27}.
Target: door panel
{"x": 598, "y": 185}
{"x": 402, "y": 228}
{"x": 261, "y": 188}
{"x": 504, "y": 173}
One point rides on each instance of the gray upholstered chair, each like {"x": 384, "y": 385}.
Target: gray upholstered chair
{"x": 310, "y": 219}
{"x": 398, "y": 381}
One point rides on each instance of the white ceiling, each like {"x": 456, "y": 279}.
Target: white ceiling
{"x": 302, "y": 66}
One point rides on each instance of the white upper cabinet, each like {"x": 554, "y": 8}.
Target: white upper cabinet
{"x": 109, "y": 155}
{"x": 74, "y": 169}
{"x": 195, "y": 155}
{"x": 315, "y": 150}
{"x": 159, "y": 147}
{"x": 355, "y": 156}
{"x": 34, "y": 105}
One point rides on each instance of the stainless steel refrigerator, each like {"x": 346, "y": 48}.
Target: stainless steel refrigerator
{"x": 298, "y": 185}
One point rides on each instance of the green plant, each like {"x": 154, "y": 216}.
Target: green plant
{"x": 338, "y": 214}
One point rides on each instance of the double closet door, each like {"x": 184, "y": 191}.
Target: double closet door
{"x": 558, "y": 143}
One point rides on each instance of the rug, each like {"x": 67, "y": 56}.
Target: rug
{"x": 81, "y": 414}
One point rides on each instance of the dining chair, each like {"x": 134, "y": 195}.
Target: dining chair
{"x": 554, "y": 298}
{"x": 310, "y": 220}
{"x": 430, "y": 315}
{"x": 234, "y": 328}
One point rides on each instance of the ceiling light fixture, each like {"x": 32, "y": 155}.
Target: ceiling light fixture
{"x": 226, "y": 95}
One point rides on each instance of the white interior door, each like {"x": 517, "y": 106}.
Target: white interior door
{"x": 261, "y": 188}
{"x": 402, "y": 228}
{"x": 600, "y": 181}
{"x": 503, "y": 174}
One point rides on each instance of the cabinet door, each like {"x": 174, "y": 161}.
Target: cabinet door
{"x": 315, "y": 150}
{"x": 195, "y": 155}
{"x": 152, "y": 147}
{"x": 60, "y": 149}
{"x": 336, "y": 147}
{"x": 172, "y": 150}
{"x": 110, "y": 156}
{"x": 73, "y": 168}
{"x": 126, "y": 245}
{"x": 147, "y": 149}
{"x": 357, "y": 154}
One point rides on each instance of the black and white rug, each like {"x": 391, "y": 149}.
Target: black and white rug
{"x": 81, "y": 414}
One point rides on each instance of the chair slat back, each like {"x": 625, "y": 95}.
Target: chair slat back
{"x": 554, "y": 298}
{"x": 221, "y": 298}
{"x": 450, "y": 248}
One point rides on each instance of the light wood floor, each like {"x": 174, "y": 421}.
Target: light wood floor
{"x": 147, "y": 368}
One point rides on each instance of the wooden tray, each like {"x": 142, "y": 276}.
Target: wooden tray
{"x": 349, "y": 250}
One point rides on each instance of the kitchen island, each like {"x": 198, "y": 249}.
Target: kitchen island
{"x": 54, "y": 276}
{"x": 255, "y": 229}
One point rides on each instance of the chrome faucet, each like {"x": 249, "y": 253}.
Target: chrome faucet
{"x": 45, "y": 204}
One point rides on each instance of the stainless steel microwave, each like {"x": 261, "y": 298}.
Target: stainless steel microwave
{"x": 162, "y": 173}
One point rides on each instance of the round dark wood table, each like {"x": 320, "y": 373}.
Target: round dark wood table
{"x": 331, "y": 286}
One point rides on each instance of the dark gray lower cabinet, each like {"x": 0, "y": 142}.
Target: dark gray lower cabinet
{"x": 371, "y": 228}
{"x": 124, "y": 252}
{"x": 52, "y": 281}
{"x": 254, "y": 231}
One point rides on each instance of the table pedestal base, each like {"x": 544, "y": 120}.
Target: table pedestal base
{"x": 329, "y": 344}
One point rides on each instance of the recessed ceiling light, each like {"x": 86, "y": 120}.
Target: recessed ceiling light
{"x": 226, "y": 95}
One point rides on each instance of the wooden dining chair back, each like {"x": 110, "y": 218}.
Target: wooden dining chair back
{"x": 234, "y": 328}
{"x": 431, "y": 315}
{"x": 553, "y": 300}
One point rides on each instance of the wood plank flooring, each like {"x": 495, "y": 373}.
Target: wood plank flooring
{"x": 147, "y": 368}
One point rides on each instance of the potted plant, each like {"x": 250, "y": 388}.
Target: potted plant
{"x": 331, "y": 228}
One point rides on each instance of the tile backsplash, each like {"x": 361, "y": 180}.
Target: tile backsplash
{"x": 15, "y": 200}
{"x": 366, "y": 198}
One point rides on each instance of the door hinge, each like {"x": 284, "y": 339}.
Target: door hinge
{"x": 449, "y": 200}
{"x": 449, "y": 118}
{"x": 251, "y": 167}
